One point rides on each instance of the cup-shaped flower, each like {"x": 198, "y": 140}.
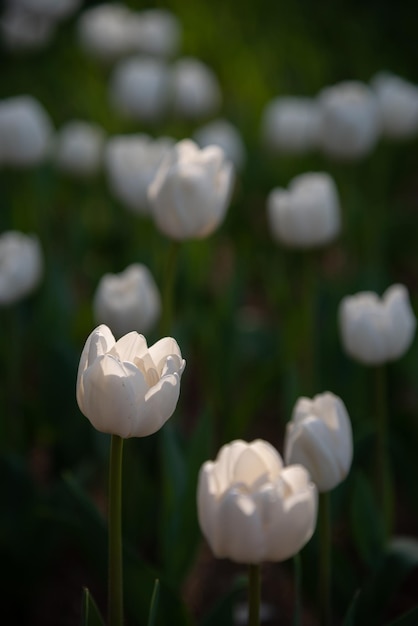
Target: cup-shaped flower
{"x": 251, "y": 508}
{"x": 124, "y": 387}
{"x": 306, "y": 215}
{"x": 195, "y": 89}
{"x": 398, "y": 105}
{"x": 319, "y": 437}
{"x": 79, "y": 148}
{"x": 22, "y": 30}
{"x": 21, "y": 266}
{"x": 155, "y": 32}
{"x": 350, "y": 121}
{"x": 290, "y": 125}
{"x": 131, "y": 162}
{"x": 104, "y": 31}
{"x": 376, "y": 330}
{"x": 191, "y": 190}
{"x": 223, "y": 134}
{"x": 127, "y": 301}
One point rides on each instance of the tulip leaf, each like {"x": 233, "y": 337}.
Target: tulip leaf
{"x": 154, "y": 603}
{"x": 407, "y": 619}
{"x": 350, "y": 616}
{"x": 400, "y": 558}
{"x": 90, "y": 613}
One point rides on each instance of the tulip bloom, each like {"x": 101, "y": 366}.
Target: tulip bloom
{"x": 79, "y": 148}
{"x": 374, "y": 330}
{"x": 191, "y": 190}
{"x": 398, "y": 105}
{"x": 124, "y": 387}
{"x": 306, "y": 215}
{"x": 291, "y": 125}
{"x": 21, "y": 266}
{"x": 319, "y": 437}
{"x": 251, "y": 508}
{"x": 127, "y": 301}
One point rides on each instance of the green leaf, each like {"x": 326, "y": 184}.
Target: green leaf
{"x": 154, "y": 603}
{"x": 90, "y": 613}
{"x": 349, "y": 619}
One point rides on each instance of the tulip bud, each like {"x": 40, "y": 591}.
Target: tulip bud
{"x": 373, "y": 330}
{"x": 79, "y": 148}
{"x": 319, "y": 437}
{"x": 251, "y": 508}
{"x": 398, "y": 105}
{"x": 25, "y": 132}
{"x": 223, "y": 134}
{"x": 21, "y": 266}
{"x": 124, "y": 387}
{"x": 291, "y": 125}
{"x": 349, "y": 126}
{"x": 308, "y": 214}
{"x": 131, "y": 163}
{"x": 191, "y": 190}
{"x": 139, "y": 88}
{"x": 127, "y": 301}
{"x": 195, "y": 89}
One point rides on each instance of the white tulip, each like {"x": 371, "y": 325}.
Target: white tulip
{"x": 191, "y": 190}
{"x": 52, "y": 9}
{"x": 131, "y": 163}
{"x": 127, "y": 301}
{"x": 374, "y": 330}
{"x": 291, "y": 125}
{"x": 21, "y": 266}
{"x": 223, "y": 134}
{"x": 350, "y": 121}
{"x": 196, "y": 91}
{"x": 24, "y": 30}
{"x": 124, "y": 387}
{"x": 398, "y": 105}
{"x": 307, "y": 214}
{"x": 155, "y": 32}
{"x": 319, "y": 437}
{"x": 79, "y": 148}
{"x": 251, "y": 508}
{"x": 104, "y": 31}
{"x": 25, "y": 132}
{"x": 139, "y": 88}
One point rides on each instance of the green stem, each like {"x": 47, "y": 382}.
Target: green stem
{"x": 297, "y": 569}
{"x": 325, "y": 559}
{"x": 382, "y": 461}
{"x": 168, "y": 281}
{"x": 115, "y": 591}
{"x": 254, "y": 595}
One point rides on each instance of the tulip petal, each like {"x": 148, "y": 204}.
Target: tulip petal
{"x": 167, "y": 346}
{"x": 130, "y": 346}
{"x": 208, "y": 495}
{"x": 239, "y": 534}
{"x": 160, "y": 403}
{"x": 100, "y": 341}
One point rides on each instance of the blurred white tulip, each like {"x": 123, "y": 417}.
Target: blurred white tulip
{"x": 319, "y": 437}
{"x": 124, "y": 387}
{"x": 398, "y": 105}
{"x": 155, "y": 32}
{"x": 139, "y": 88}
{"x": 291, "y": 125}
{"x": 306, "y": 215}
{"x": 190, "y": 193}
{"x": 21, "y": 266}
{"x": 79, "y": 148}
{"x": 223, "y": 134}
{"x": 104, "y": 31}
{"x": 374, "y": 330}
{"x": 131, "y": 163}
{"x": 127, "y": 301}
{"x": 23, "y": 30}
{"x": 53, "y": 9}
{"x": 25, "y": 132}
{"x": 350, "y": 121}
{"x": 252, "y": 509}
{"x": 196, "y": 92}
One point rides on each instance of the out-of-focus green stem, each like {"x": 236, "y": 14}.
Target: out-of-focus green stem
{"x": 383, "y": 481}
{"x": 297, "y": 569}
{"x": 254, "y": 595}
{"x": 168, "y": 281}
{"x": 324, "y": 520}
{"x": 115, "y": 581}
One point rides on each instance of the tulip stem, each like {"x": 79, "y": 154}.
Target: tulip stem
{"x": 115, "y": 589}
{"x": 382, "y": 463}
{"x": 324, "y": 522}
{"x": 168, "y": 281}
{"x": 254, "y": 595}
